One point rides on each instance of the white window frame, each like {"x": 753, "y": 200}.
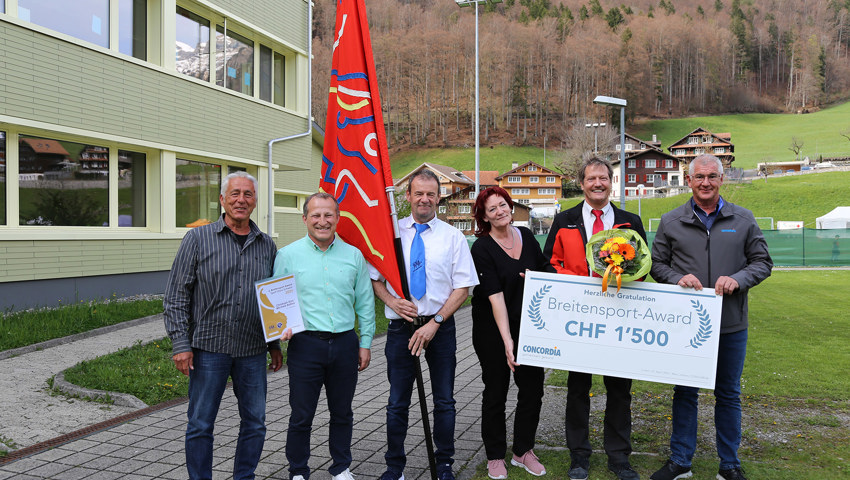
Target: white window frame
{"x": 550, "y": 179}
{"x": 631, "y": 163}
{"x": 632, "y": 178}
{"x": 514, "y": 179}
{"x": 693, "y": 140}
{"x": 464, "y": 209}
{"x": 649, "y": 163}
{"x": 441, "y": 209}
{"x": 668, "y": 163}
{"x": 546, "y": 191}
{"x": 532, "y": 168}
{"x": 719, "y": 149}
{"x": 520, "y": 191}
{"x": 534, "y": 179}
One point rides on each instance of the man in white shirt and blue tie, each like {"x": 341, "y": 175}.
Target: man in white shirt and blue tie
{"x": 440, "y": 271}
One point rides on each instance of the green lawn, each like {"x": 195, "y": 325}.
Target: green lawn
{"x": 757, "y": 138}
{"x": 760, "y": 137}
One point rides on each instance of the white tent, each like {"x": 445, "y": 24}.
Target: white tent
{"x": 839, "y": 217}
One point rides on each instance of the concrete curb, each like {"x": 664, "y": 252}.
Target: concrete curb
{"x": 78, "y": 336}
{"x": 122, "y": 399}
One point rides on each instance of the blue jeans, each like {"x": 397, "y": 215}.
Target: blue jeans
{"x": 401, "y": 372}
{"x": 313, "y": 362}
{"x": 206, "y": 385}
{"x": 727, "y": 409}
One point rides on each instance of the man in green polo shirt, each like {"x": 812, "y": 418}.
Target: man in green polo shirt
{"x": 334, "y": 290}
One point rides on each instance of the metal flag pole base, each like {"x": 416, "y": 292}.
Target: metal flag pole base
{"x": 426, "y": 421}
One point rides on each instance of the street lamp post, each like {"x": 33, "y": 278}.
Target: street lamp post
{"x": 466, "y": 3}
{"x": 595, "y": 134}
{"x": 640, "y": 196}
{"x": 618, "y": 102}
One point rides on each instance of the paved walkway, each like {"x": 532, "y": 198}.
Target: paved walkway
{"x": 151, "y": 445}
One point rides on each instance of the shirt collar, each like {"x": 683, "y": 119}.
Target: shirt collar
{"x": 317, "y": 247}
{"x": 699, "y": 211}
{"x": 587, "y": 209}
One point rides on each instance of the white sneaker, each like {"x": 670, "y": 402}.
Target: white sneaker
{"x": 298, "y": 477}
{"x": 346, "y": 475}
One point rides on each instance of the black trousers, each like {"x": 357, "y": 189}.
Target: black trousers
{"x": 497, "y": 376}
{"x": 618, "y": 416}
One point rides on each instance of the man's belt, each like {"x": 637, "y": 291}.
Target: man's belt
{"x": 422, "y": 320}
{"x": 324, "y": 335}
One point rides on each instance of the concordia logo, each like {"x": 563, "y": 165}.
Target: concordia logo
{"x": 552, "y": 352}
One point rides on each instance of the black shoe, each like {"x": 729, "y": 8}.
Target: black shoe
{"x": 671, "y": 471}
{"x": 731, "y": 474}
{"x": 623, "y": 471}
{"x": 579, "y": 467}
{"x": 389, "y": 475}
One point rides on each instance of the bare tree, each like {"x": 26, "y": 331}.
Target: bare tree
{"x": 796, "y": 147}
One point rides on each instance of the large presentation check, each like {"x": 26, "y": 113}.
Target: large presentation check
{"x": 646, "y": 331}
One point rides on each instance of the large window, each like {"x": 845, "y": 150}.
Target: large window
{"x": 520, "y": 191}
{"x": 2, "y": 175}
{"x": 88, "y": 20}
{"x": 198, "y": 189}
{"x": 132, "y": 188}
{"x": 234, "y": 60}
{"x": 84, "y": 19}
{"x": 63, "y": 183}
{"x": 650, "y": 163}
{"x": 271, "y": 76}
{"x": 632, "y": 178}
{"x": 668, "y": 163}
{"x": 514, "y": 179}
{"x": 193, "y": 48}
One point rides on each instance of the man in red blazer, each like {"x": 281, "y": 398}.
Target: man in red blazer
{"x": 565, "y": 249}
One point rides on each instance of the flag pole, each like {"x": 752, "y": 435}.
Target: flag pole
{"x": 420, "y": 383}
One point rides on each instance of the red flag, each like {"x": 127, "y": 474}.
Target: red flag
{"x": 355, "y": 160}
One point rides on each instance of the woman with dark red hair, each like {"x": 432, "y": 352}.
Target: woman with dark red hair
{"x": 502, "y": 253}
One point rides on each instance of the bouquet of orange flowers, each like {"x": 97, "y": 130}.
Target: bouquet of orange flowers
{"x": 620, "y": 254}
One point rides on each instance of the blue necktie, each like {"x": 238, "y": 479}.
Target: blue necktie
{"x": 417, "y": 263}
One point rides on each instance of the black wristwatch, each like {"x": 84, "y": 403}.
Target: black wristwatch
{"x": 439, "y": 319}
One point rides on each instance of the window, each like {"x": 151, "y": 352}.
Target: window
{"x": 443, "y": 190}
{"x": 285, "y": 200}
{"x": 132, "y": 28}
{"x": 532, "y": 168}
{"x": 457, "y": 189}
{"x": 84, "y": 19}
{"x": 550, "y": 179}
{"x": 193, "y": 49}
{"x": 464, "y": 209}
{"x": 650, "y": 163}
{"x": 234, "y": 60}
{"x": 132, "y": 188}
{"x": 514, "y": 179}
{"x": 271, "y": 76}
{"x": 546, "y": 191}
{"x": 441, "y": 209}
{"x": 533, "y": 179}
{"x": 472, "y": 195}
{"x": 631, "y": 163}
{"x": 706, "y": 139}
{"x": 643, "y": 146}
{"x": 89, "y": 20}
{"x": 719, "y": 149}
{"x": 668, "y": 163}
{"x": 651, "y": 178}
{"x": 680, "y": 151}
{"x": 198, "y": 188}
{"x": 462, "y": 226}
{"x": 523, "y": 201}
{"x": 693, "y": 140}
{"x": 520, "y": 191}
{"x": 699, "y": 150}
{"x": 632, "y": 178}
{"x": 62, "y": 183}
{"x": 2, "y": 174}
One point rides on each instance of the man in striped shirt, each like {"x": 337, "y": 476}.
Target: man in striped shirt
{"x": 212, "y": 318}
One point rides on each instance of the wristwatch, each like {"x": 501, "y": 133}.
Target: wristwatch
{"x": 439, "y": 319}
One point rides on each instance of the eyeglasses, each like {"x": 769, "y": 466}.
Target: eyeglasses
{"x": 713, "y": 177}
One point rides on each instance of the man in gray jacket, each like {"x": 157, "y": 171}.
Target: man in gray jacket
{"x": 708, "y": 242}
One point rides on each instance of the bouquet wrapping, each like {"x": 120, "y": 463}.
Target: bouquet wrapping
{"x": 618, "y": 254}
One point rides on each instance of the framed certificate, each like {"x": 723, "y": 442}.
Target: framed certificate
{"x": 279, "y": 308}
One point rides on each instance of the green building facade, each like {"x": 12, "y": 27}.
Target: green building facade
{"x": 118, "y": 120}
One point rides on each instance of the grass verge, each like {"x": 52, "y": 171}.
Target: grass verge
{"x": 20, "y": 329}
{"x": 146, "y": 370}
{"x": 795, "y": 393}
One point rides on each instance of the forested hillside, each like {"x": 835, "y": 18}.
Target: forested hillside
{"x": 543, "y": 62}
